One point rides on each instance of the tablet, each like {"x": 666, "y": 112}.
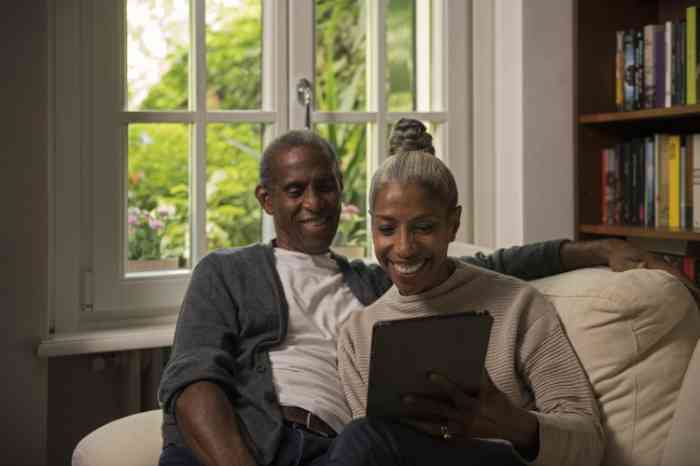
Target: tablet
{"x": 405, "y": 351}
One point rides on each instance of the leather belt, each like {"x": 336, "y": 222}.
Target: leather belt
{"x": 308, "y": 420}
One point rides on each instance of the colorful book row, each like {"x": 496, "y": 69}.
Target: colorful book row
{"x": 652, "y": 182}
{"x": 656, "y": 66}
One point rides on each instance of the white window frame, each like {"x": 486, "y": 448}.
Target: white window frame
{"x": 90, "y": 290}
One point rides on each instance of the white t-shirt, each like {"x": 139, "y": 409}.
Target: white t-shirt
{"x": 304, "y": 367}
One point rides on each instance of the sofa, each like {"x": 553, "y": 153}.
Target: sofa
{"x": 635, "y": 333}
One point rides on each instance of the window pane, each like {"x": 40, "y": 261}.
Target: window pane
{"x": 340, "y": 55}
{"x": 400, "y": 64}
{"x": 350, "y": 142}
{"x": 234, "y": 54}
{"x": 158, "y": 197}
{"x": 234, "y": 217}
{"x": 157, "y": 54}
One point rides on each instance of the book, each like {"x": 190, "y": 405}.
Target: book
{"x": 674, "y": 154}
{"x": 605, "y": 198}
{"x": 681, "y": 182}
{"x": 628, "y": 97}
{"x": 616, "y": 184}
{"x": 691, "y": 55}
{"x": 661, "y": 210}
{"x": 619, "y": 71}
{"x": 659, "y": 65}
{"x": 649, "y": 84}
{"x": 689, "y": 170}
{"x": 649, "y": 182}
{"x": 626, "y": 176}
{"x": 696, "y": 180}
{"x": 682, "y": 63}
{"x": 639, "y": 92}
{"x": 668, "y": 80}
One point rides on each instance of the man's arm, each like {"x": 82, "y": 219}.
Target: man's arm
{"x": 210, "y": 428}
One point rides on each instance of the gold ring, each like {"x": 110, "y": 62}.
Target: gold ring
{"x": 445, "y": 432}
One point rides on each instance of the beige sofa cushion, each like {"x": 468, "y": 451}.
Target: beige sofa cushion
{"x": 634, "y": 333}
{"x": 133, "y": 440}
{"x": 683, "y": 442}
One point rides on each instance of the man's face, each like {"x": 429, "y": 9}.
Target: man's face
{"x": 304, "y": 200}
{"x": 411, "y": 231}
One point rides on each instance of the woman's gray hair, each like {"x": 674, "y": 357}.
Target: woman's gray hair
{"x": 412, "y": 160}
{"x": 290, "y": 140}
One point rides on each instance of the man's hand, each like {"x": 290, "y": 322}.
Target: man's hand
{"x": 620, "y": 256}
{"x": 491, "y": 415}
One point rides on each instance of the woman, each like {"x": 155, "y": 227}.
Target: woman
{"x": 536, "y": 395}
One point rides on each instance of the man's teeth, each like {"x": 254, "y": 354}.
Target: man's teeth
{"x": 408, "y": 268}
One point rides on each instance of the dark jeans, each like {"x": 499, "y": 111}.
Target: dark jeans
{"x": 371, "y": 442}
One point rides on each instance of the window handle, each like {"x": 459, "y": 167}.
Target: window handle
{"x": 305, "y": 96}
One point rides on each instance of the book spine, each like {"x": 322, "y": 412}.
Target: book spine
{"x": 668, "y": 81}
{"x": 662, "y": 191}
{"x": 696, "y": 180}
{"x": 605, "y": 195}
{"x": 641, "y": 206}
{"x": 649, "y": 84}
{"x": 673, "y": 181}
{"x": 681, "y": 183}
{"x": 620, "y": 71}
{"x": 658, "y": 148}
{"x": 639, "y": 93}
{"x": 689, "y": 170}
{"x": 629, "y": 70}
{"x": 616, "y": 184}
{"x": 659, "y": 66}
{"x": 682, "y": 63}
{"x": 626, "y": 184}
{"x": 691, "y": 50}
{"x": 649, "y": 182}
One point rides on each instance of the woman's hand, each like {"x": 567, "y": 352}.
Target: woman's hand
{"x": 462, "y": 416}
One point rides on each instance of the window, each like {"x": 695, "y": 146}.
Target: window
{"x": 164, "y": 106}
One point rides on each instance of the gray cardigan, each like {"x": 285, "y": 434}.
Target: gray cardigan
{"x": 235, "y": 310}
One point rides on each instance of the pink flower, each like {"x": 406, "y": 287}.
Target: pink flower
{"x": 166, "y": 210}
{"x": 155, "y": 224}
{"x": 132, "y": 219}
{"x": 348, "y": 211}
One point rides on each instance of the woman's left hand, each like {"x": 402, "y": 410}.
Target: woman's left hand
{"x": 490, "y": 415}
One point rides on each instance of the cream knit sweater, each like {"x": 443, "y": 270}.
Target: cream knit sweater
{"x": 529, "y": 357}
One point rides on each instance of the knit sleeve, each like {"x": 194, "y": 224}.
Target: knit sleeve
{"x": 352, "y": 377}
{"x": 527, "y": 262}
{"x": 206, "y": 332}
{"x": 569, "y": 421}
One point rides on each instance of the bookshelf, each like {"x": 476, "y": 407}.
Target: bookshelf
{"x": 600, "y": 124}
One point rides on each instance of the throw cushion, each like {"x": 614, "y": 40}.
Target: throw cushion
{"x": 634, "y": 333}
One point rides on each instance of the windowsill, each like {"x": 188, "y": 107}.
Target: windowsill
{"x": 104, "y": 341}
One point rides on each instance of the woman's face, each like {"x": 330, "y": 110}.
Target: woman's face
{"x": 411, "y": 231}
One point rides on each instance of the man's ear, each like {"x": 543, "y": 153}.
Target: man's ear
{"x": 455, "y": 215}
{"x": 262, "y": 194}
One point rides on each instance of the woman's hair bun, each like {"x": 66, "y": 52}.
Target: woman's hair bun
{"x": 410, "y": 135}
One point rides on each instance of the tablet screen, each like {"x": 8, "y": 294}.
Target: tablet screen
{"x": 405, "y": 351}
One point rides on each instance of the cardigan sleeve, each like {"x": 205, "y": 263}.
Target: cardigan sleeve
{"x": 205, "y": 335}
{"x": 527, "y": 262}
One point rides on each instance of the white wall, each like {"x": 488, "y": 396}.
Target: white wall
{"x": 533, "y": 120}
{"x": 23, "y": 231}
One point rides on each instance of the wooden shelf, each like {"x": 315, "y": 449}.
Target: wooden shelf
{"x": 640, "y": 232}
{"x": 681, "y": 111}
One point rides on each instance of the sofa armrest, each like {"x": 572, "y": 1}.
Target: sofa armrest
{"x": 634, "y": 333}
{"x": 684, "y": 437}
{"x": 133, "y": 440}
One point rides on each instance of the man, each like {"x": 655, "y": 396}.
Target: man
{"x": 252, "y": 378}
